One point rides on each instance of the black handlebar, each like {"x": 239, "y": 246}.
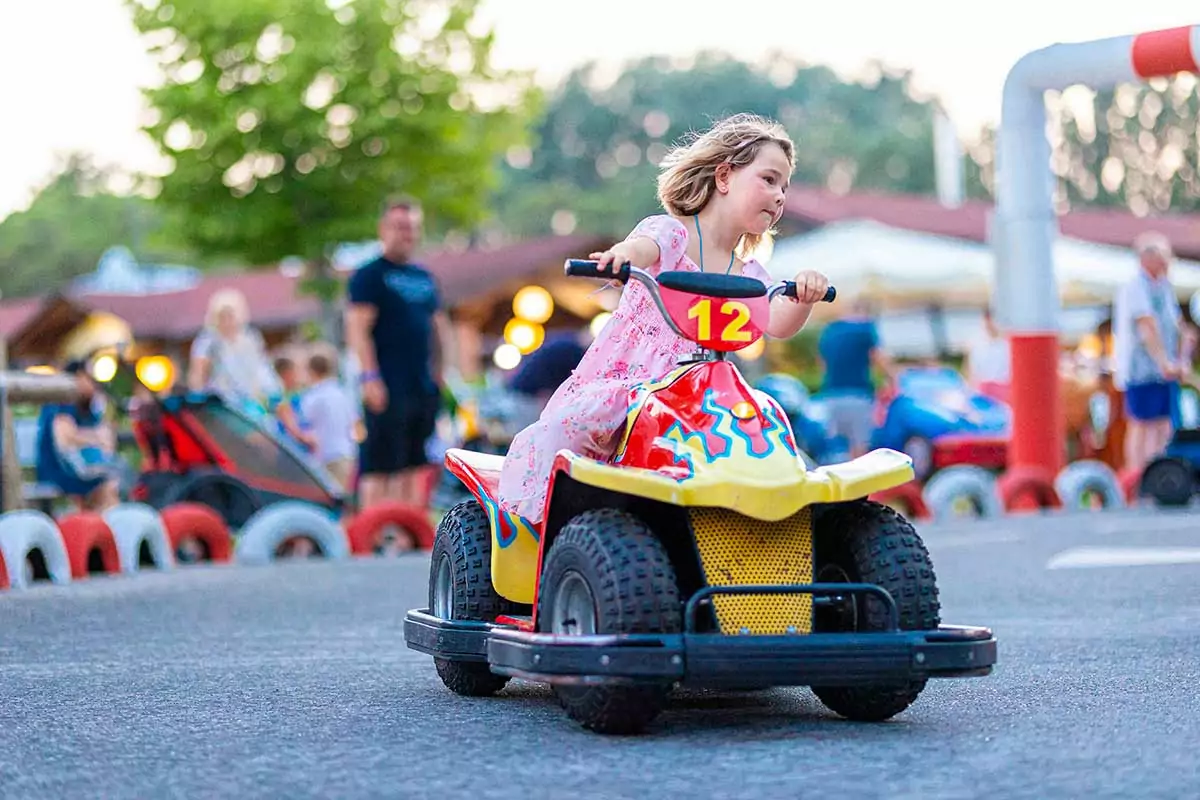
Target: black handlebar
{"x": 789, "y": 290}
{"x": 582, "y": 268}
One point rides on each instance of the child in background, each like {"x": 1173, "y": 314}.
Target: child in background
{"x": 287, "y": 408}
{"x": 328, "y": 411}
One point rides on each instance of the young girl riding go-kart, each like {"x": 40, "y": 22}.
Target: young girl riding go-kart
{"x": 699, "y": 550}
{"x": 704, "y": 553}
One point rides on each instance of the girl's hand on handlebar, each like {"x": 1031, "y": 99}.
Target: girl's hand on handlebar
{"x": 610, "y": 260}
{"x": 810, "y": 287}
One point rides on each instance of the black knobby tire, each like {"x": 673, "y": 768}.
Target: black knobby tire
{"x": 1169, "y": 481}
{"x": 464, "y": 542}
{"x": 630, "y": 577}
{"x": 866, "y": 542}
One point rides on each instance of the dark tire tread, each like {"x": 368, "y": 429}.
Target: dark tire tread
{"x": 879, "y": 546}
{"x": 465, "y": 536}
{"x": 631, "y": 577}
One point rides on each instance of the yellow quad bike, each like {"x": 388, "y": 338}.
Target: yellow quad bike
{"x": 704, "y": 553}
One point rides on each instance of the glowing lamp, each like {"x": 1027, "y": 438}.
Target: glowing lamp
{"x": 104, "y": 368}
{"x": 157, "y": 373}
{"x": 524, "y": 335}
{"x": 533, "y": 304}
{"x": 506, "y": 357}
{"x": 598, "y": 322}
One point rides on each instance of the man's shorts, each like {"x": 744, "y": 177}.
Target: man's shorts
{"x": 1149, "y": 402}
{"x": 395, "y": 440}
{"x": 850, "y": 417}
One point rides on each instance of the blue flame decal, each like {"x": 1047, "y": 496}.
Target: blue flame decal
{"x": 505, "y": 525}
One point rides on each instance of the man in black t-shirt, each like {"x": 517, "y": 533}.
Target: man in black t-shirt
{"x": 395, "y": 326}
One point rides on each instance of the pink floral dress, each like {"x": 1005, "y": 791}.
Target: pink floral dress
{"x": 587, "y": 412}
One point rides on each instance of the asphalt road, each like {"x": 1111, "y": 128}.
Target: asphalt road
{"x": 293, "y": 681}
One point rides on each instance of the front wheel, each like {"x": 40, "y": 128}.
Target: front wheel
{"x": 460, "y": 587}
{"x": 866, "y": 542}
{"x": 607, "y": 573}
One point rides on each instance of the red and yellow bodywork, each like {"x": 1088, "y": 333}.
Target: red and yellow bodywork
{"x": 700, "y": 437}
{"x": 703, "y": 439}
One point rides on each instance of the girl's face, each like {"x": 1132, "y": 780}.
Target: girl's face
{"x": 757, "y": 190}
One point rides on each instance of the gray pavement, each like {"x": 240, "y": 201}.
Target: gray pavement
{"x": 293, "y": 681}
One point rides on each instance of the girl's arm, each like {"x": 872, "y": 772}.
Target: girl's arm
{"x": 788, "y": 316}
{"x": 658, "y": 241}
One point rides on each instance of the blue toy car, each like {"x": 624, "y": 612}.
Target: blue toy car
{"x": 807, "y": 418}
{"x": 938, "y": 420}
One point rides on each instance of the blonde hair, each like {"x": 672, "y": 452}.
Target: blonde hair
{"x": 227, "y": 300}
{"x": 688, "y": 178}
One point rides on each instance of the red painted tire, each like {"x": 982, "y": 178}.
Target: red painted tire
{"x": 907, "y": 495}
{"x": 1131, "y": 485}
{"x": 91, "y": 546}
{"x": 3, "y": 572}
{"x": 202, "y": 523}
{"x": 1028, "y": 489}
{"x": 364, "y": 530}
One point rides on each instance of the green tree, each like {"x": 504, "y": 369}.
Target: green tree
{"x": 288, "y": 121}
{"x": 1131, "y": 147}
{"x": 69, "y": 225}
{"x": 598, "y": 146}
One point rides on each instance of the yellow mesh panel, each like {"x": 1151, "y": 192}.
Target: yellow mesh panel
{"x": 738, "y": 550}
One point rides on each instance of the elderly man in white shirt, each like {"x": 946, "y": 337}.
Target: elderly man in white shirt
{"x": 1148, "y": 341}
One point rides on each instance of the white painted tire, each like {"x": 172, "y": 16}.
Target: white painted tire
{"x": 21, "y": 533}
{"x": 962, "y": 481}
{"x": 135, "y": 524}
{"x": 272, "y": 526}
{"x": 1080, "y": 477}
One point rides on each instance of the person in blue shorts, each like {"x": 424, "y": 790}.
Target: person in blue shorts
{"x": 1148, "y": 340}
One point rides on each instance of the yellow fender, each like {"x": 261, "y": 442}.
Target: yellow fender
{"x": 767, "y": 498}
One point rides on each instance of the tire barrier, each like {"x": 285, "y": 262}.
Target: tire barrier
{"x": 1131, "y": 485}
{"x": 960, "y": 485}
{"x": 141, "y": 537}
{"x": 90, "y": 544}
{"x": 197, "y": 531}
{"x": 3, "y": 572}
{"x": 368, "y": 531}
{"x": 1027, "y": 489}
{"x": 32, "y": 549}
{"x": 266, "y": 533}
{"x": 1083, "y": 479}
{"x": 905, "y": 498}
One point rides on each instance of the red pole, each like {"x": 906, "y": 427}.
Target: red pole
{"x": 1038, "y": 446}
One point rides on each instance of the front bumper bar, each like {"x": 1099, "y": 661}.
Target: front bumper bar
{"x": 710, "y": 659}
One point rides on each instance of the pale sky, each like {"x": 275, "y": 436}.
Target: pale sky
{"x": 70, "y": 69}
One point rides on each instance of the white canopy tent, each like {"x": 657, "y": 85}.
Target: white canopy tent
{"x": 932, "y": 289}
{"x": 902, "y": 268}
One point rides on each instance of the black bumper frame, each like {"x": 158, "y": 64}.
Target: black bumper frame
{"x": 890, "y": 657}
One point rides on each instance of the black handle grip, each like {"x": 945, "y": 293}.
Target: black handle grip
{"x": 581, "y": 268}
{"x": 790, "y": 291}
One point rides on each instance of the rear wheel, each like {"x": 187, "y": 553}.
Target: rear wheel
{"x": 865, "y": 542}
{"x": 1170, "y": 481}
{"x": 606, "y": 573}
{"x": 460, "y": 587}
